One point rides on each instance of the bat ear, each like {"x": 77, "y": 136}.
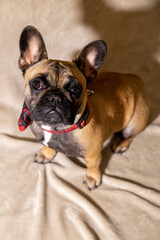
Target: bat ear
{"x": 32, "y": 48}
{"x": 91, "y": 58}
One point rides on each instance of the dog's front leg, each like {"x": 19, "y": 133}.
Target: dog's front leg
{"x": 93, "y": 176}
{"x": 45, "y": 155}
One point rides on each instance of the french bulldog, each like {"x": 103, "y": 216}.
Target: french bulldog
{"x": 69, "y": 118}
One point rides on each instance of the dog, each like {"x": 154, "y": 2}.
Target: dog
{"x": 69, "y": 118}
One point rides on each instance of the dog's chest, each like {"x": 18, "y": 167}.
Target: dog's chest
{"x": 64, "y": 143}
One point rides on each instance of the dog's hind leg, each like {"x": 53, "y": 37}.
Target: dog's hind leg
{"x": 137, "y": 123}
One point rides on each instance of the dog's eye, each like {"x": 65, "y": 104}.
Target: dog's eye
{"x": 75, "y": 90}
{"x": 37, "y": 84}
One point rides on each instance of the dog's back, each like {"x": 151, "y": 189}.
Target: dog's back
{"x": 121, "y": 97}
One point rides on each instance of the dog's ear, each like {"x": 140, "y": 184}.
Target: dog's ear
{"x": 32, "y": 48}
{"x": 91, "y": 58}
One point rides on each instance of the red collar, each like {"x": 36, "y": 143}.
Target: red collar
{"x": 80, "y": 124}
{"x": 25, "y": 120}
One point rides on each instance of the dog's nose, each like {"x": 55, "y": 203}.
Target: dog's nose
{"x": 56, "y": 97}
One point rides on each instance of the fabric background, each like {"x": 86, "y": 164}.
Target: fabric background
{"x": 49, "y": 201}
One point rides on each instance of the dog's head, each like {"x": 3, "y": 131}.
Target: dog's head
{"x": 56, "y": 91}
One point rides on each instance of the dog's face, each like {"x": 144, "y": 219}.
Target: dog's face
{"x": 55, "y": 91}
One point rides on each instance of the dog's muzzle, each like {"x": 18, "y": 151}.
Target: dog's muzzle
{"x": 53, "y": 108}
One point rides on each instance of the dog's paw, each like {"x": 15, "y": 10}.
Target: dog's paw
{"x": 92, "y": 180}
{"x": 45, "y": 155}
{"x": 121, "y": 146}
{"x": 41, "y": 158}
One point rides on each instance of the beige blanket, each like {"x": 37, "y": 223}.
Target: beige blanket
{"x": 50, "y": 202}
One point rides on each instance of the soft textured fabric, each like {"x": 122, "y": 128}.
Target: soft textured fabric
{"x": 50, "y": 202}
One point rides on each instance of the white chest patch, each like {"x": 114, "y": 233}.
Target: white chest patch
{"x": 47, "y": 135}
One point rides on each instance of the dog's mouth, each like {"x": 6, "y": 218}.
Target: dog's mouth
{"x": 54, "y": 116}
{"x": 50, "y": 115}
